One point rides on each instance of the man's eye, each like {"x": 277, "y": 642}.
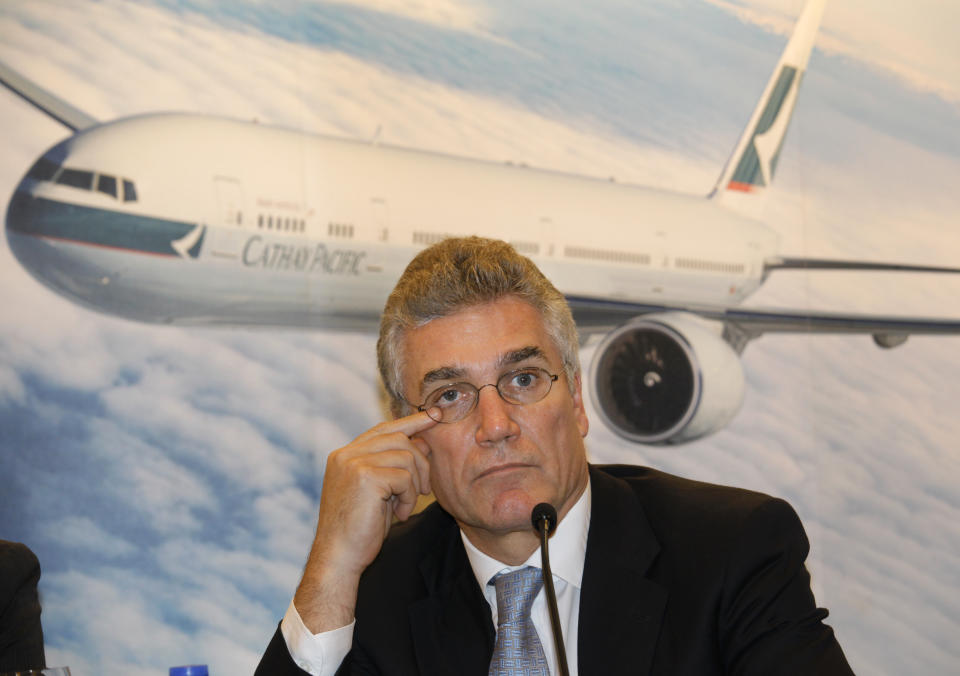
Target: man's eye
{"x": 448, "y": 397}
{"x": 523, "y": 380}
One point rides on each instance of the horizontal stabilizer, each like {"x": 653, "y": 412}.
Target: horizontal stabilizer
{"x": 55, "y": 107}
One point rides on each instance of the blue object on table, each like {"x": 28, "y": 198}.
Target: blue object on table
{"x": 189, "y": 670}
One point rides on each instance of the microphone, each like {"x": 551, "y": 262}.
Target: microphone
{"x": 544, "y": 518}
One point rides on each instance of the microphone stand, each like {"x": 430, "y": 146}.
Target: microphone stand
{"x": 544, "y": 519}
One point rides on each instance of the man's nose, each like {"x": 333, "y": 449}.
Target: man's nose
{"x": 495, "y": 423}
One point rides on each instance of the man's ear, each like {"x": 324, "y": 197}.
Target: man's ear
{"x": 579, "y": 409}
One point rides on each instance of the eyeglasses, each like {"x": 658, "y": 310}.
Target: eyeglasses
{"x": 456, "y": 401}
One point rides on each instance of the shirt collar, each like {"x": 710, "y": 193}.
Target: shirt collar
{"x": 568, "y": 548}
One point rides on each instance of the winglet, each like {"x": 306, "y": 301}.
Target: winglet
{"x": 754, "y": 160}
{"x": 57, "y": 108}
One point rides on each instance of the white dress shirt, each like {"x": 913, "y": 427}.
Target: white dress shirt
{"x": 321, "y": 654}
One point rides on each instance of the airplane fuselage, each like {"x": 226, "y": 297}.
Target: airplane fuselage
{"x": 194, "y": 219}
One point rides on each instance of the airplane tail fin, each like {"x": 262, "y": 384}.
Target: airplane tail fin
{"x": 61, "y": 111}
{"x": 753, "y": 162}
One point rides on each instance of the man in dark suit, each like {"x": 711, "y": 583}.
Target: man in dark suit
{"x": 21, "y": 637}
{"x": 654, "y": 574}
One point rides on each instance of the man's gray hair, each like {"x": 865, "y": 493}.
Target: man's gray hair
{"x": 458, "y": 273}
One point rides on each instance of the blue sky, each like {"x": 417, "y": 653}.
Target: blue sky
{"x": 168, "y": 478}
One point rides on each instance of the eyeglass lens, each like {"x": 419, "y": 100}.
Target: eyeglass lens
{"x": 525, "y": 386}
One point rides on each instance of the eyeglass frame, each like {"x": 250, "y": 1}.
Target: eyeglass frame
{"x": 553, "y": 377}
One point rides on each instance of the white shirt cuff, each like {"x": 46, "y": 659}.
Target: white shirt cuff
{"x": 317, "y": 654}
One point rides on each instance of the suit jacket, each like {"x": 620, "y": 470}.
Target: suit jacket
{"x": 680, "y": 577}
{"x": 21, "y": 638}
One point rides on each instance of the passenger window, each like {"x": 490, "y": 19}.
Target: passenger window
{"x": 129, "y": 191}
{"x": 43, "y": 170}
{"x": 76, "y": 178}
{"x": 107, "y": 184}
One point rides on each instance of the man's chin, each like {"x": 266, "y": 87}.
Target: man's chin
{"x": 511, "y": 510}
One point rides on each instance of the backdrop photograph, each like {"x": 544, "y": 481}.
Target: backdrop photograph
{"x": 167, "y": 475}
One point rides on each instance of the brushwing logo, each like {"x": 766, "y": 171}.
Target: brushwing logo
{"x": 759, "y": 161}
{"x": 189, "y": 245}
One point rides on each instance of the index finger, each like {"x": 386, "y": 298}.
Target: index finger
{"x": 408, "y": 425}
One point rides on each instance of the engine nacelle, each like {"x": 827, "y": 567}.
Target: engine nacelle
{"x": 666, "y": 378}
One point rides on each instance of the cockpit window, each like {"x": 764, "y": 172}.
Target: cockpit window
{"x": 76, "y": 178}
{"x": 129, "y": 191}
{"x": 43, "y": 170}
{"x": 107, "y": 184}
{"x": 48, "y": 170}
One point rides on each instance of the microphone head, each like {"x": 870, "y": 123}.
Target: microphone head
{"x": 544, "y": 512}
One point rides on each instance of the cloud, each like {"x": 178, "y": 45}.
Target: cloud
{"x": 11, "y": 387}
{"x": 909, "y": 39}
{"x": 169, "y": 477}
{"x": 83, "y": 534}
{"x": 128, "y": 616}
{"x": 447, "y": 14}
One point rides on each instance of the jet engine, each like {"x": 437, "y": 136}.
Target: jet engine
{"x": 666, "y": 378}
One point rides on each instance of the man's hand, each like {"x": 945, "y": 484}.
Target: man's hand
{"x": 366, "y": 483}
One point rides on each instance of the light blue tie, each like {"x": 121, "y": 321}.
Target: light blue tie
{"x": 517, "y": 651}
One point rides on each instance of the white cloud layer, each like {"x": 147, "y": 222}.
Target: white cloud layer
{"x": 168, "y": 477}
{"x": 449, "y": 14}
{"x": 912, "y": 39}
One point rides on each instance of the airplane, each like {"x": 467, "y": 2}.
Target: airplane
{"x": 193, "y": 220}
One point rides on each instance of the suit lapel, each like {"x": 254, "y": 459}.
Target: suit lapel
{"x": 620, "y": 609}
{"x": 452, "y": 627}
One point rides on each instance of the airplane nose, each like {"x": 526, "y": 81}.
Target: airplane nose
{"x": 23, "y": 222}
{"x": 27, "y": 218}
{"x": 37, "y": 230}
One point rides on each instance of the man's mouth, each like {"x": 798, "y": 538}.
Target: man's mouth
{"x": 500, "y": 469}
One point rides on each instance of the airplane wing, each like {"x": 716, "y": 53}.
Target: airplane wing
{"x": 61, "y": 111}
{"x": 791, "y": 263}
{"x": 741, "y": 325}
